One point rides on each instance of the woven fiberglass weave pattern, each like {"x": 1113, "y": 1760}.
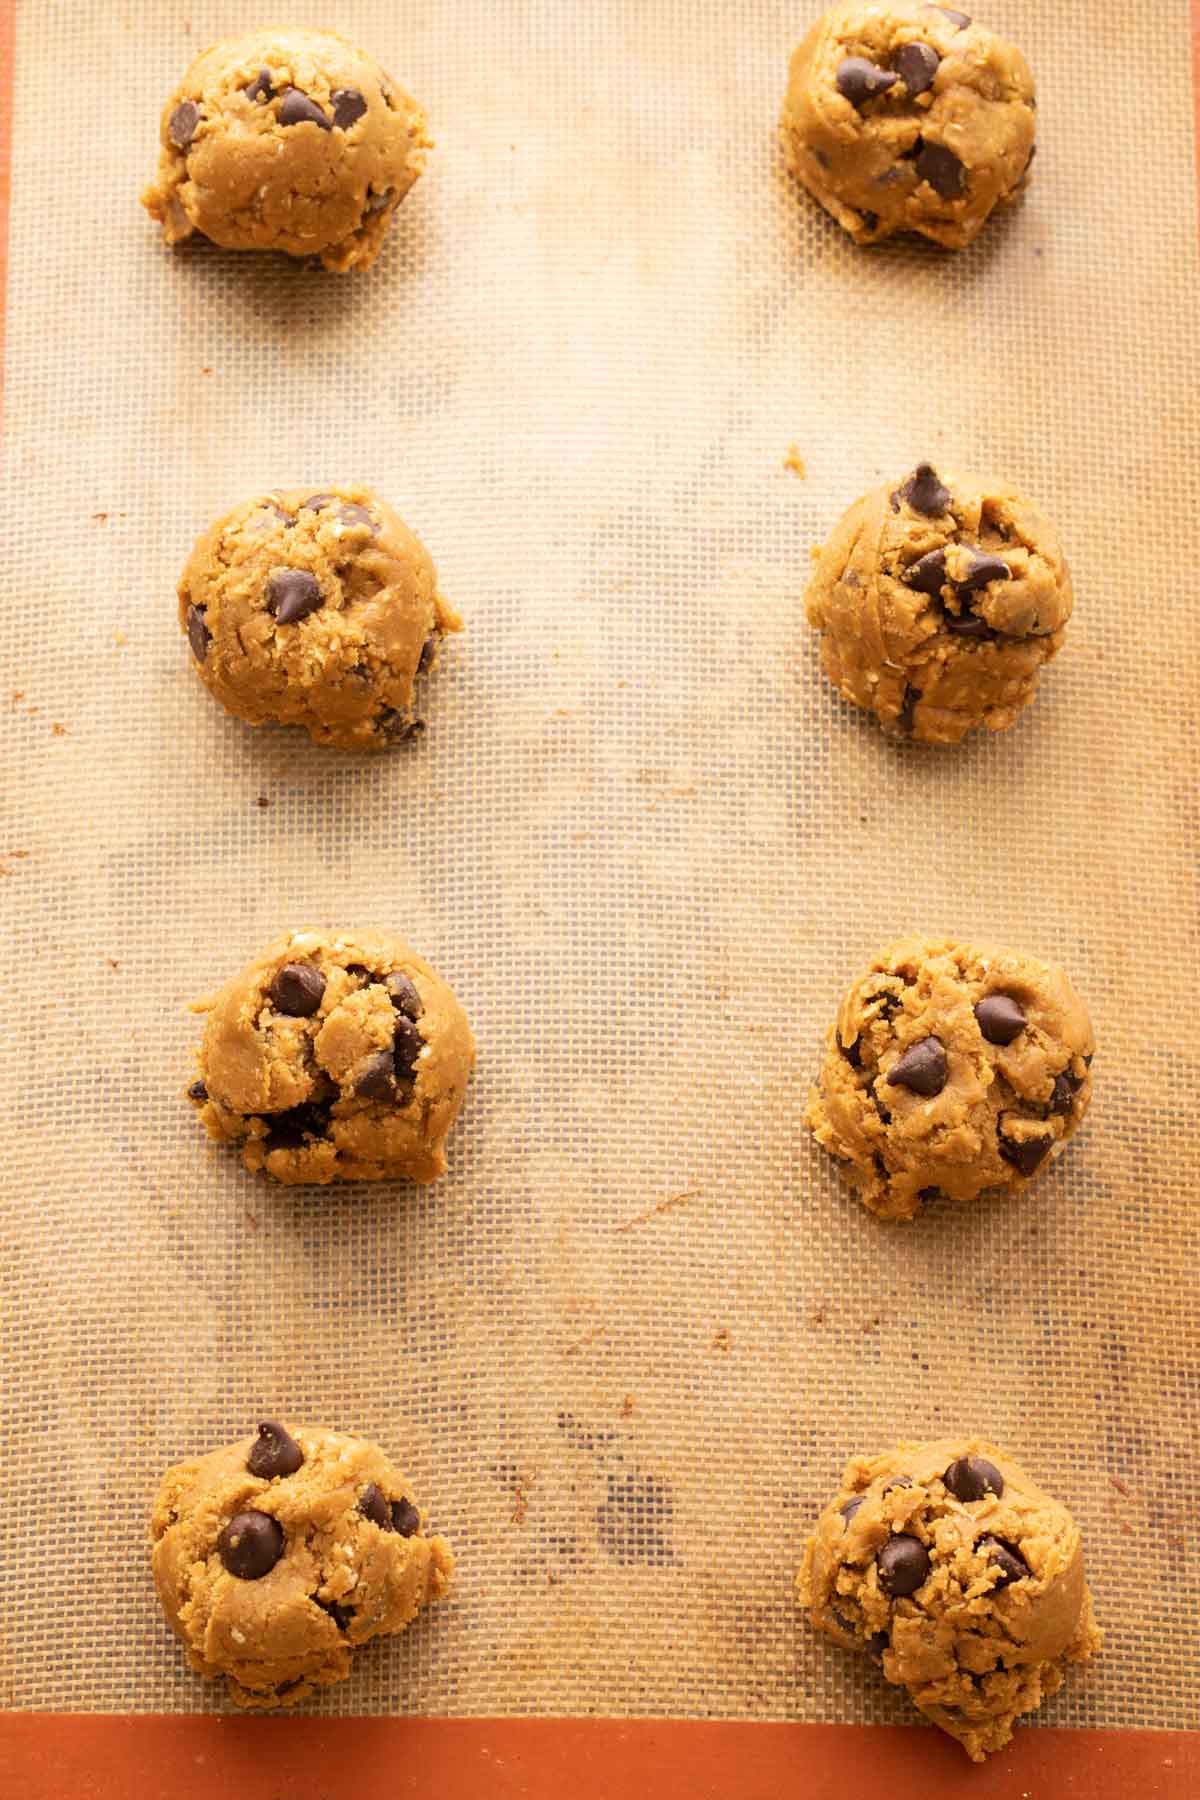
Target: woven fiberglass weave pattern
{"x": 623, "y": 1349}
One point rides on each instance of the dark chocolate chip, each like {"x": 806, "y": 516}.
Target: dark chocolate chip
{"x": 942, "y": 170}
{"x": 315, "y": 502}
{"x": 897, "y": 1481}
{"x": 982, "y": 571}
{"x": 916, "y": 65}
{"x": 342, "y": 1616}
{"x": 353, "y": 514}
{"x": 198, "y": 1091}
{"x": 921, "y": 1069}
{"x": 877, "y": 1643}
{"x": 377, "y": 202}
{"x": 903, "y": 1565}
{"x": 403, "y": 994}
{"x": 1025, "y": 1154}
{"x": 924, "y": 492}
{"x": 851, "y": 1507}
{"x": 378, "y": 1079}
{"x": 1065, "y": 1089}
{"x": 274, "y": 1451}
{"x": 843, "y": 1621}
{"x": 908, "y": 710}
{"x": 851, "y": 1052}
{"x": 373, "y": 1506}
{"x": 859, "y": 80}
{"x": 398, "y": 727}
{"x": 405, "y": 1518}
{"x": 297, "y": 990}
{"x": 1005, "y": 1557}
{"x": 292, "y": 594}
{"x": 910, "y": 155}
{"x": 291, "y": 1130}
{"x": 181, "y": 128}
{"x": 198, "y": 634}
{"x": 959, "y": 19}
{"x": 966, "y": 624}
{"x": 887, "y": 1002}
{"x": 928, "y": 574}
{"x": 260, "y": 88}
{"x": 296, "y": 108}
{"x": 1000, "y": 1018}
{"x": 406, "y": 1047}
{"x": 428, "y": 652}
{"x": 250, "y": 1545}
{"x": 348, "y": 105}
{"x": 971, "y": 1477}
{"x": 870, "y": 220}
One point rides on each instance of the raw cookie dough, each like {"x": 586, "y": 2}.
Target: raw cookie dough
{"x": 286, "y": 139}
{"x": 276, "y": 1556}
{"x": 909, "y": 118}
{"x": 945, "y": 1561}
{"x": 315, "y": 608}
{"x": 951, "y": 1069}
{"x": 336, "y": 1056}
{"x": 938, "y": 598}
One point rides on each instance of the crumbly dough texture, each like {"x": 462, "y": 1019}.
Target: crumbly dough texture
{"x": 318, "y": 608}
{"x": 900, "y": 118}
{"x": 341, "y": 1579}
{"x": 912, "y": 627}
{"x": 286, "y": 139}
{"x": 1002, "y": 1109}
{"x": 975, "y": 1647}
{"x": 364, "y": 1087}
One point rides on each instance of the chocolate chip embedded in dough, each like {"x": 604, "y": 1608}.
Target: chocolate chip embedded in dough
{"x": 958, "y": 19}
{"x": 378, "y": 1078}
{"x": 405, "y": 1518}
{"x": 377, "y": 202}
{"x": 1005, "y": 1557}
{"x": 348, "y": 107}
{"x": 406, "y": 1047}
{"x": 1066, "y": 1087}
{"x": 982, "y": 570}
{"x": 859, "y": 80}
{"x": 1000, "y": 1019}
{"x": 292, "y": 594}
{"x": 354, "y": 514}
{"x": 260, "y": 88}
{"x": 897, "y": 1481}
{"x": 924, "y": 491}
{"x": 966, "y": 624}
{"x": 183, "y": 124}
{"x": 851, "y": 1052}
{"x": 916, "y": 65}
{"x": 885, "y": 1112}
{"x": 928, "y": 573}
{"x": 296, "y": 108}
{"x": 428, "y": 652}
{"x": 1025, "y": 1154}
{"x": 274, "y": 1452}
{"x": 903, "y": 1565}
{"x": 398, "y": 727}
{"x": 402, "y": 992}
{"x": 342, "y": 1616}
{"x": 972, "y": 1477}
{"x": 851, "y": 1507}
{"x": 878, "y": 1642}
{"x": 870, "y": 220}
{"x": 198, "y": 1092}
{"x": 921, "y": 1069}
{"x": 198, "y": 634}
{"x": 316, "y": 502}
{"x": 250, "y": 1545}
{"x": 942, "y": 170}
{"x": 292, "y": 1129}
{"x": 906, "y": 717}
{"x": 298, "y": 989}
{"x": 373, "y": 1506}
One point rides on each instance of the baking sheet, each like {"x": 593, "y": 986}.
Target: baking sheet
{"x": 624, "y": 1348}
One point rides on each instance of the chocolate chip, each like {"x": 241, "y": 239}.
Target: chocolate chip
{"x": 403, "y": 994}
{"x": 181, "y": 128}
{"x": 859, "y": 80}
{"x": 906, "y": 717}
{"x": 887, "y": 1002}
{"x": 1025, "y": 1154}
{"x": 903, "y": 1565}
{"x": 966, "y": 624}
{"x": 916, "y": 65}
{"x": 406, "y": 1047}
{"x": 870, "y": 220}
{"x": 342, "y": 1616}
{"x": 348, "y": 105}
{"x": 885, "y": 1112}
{"x": 851, "y": 1507}
{"x": 897, "y": 1481}
{"x": 250, "y": 1545}
{"x": 315, "y": 502}
{"x": 398, "y": 727}
{"x": 353, "y": 514}
{"x": 959, "y": 19}
{"x": 971, "y": 1477}
{"x": 373, "y": 1506}
{"x": 198, "y": 634}
{"x": 851, "y": 1052}
{"x": 1005, "y": 1557}
{"x": 921, "y": 1069}
{"x": 378, "y": 1078}
{"x": 297, "y": 990}
{"x": 877, "y": 1643}
{"x": 428, "y": 652}
{"x": 274, "y": 1451}
{"x": 1000, "y": 1018}
{"x": 292, "y": 594}
{"x": 924, "y": 492}
{"x": 296, "y": 108}
{"x": 942, "y": 170}
{"x": 928, "y": 574}
{"x": 981, "y": 572}
{"x": 405, "y": 1518}
{"x": 1062, "y": 1100}
{"x": 260, "y": 88}
{"x": 377, "y": 202}
{"x": 291, "y": 1130}
{"x": 198, "y": 1092}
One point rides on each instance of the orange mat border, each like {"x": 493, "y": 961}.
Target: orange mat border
{"x": 101, "y": 1756}
{"x": 94, "y": 1756}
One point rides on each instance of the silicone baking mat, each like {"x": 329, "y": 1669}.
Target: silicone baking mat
{"x": 624, "y": 1348}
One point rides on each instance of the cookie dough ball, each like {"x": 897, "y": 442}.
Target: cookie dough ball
{"x": 336, "y": 1056}
{"x": 945, "y": 1563}
{"x": 954, "y": 1070}
{"x": 315, "y": 609}
{"x": 286, "y": 139}
{"x": 276, "y": 1557}
{"x": 907, "y": 117}
{"x": 938, "y": 599}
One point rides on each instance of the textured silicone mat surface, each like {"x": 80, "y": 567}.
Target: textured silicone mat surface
{"x": 624, "y": 1348}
